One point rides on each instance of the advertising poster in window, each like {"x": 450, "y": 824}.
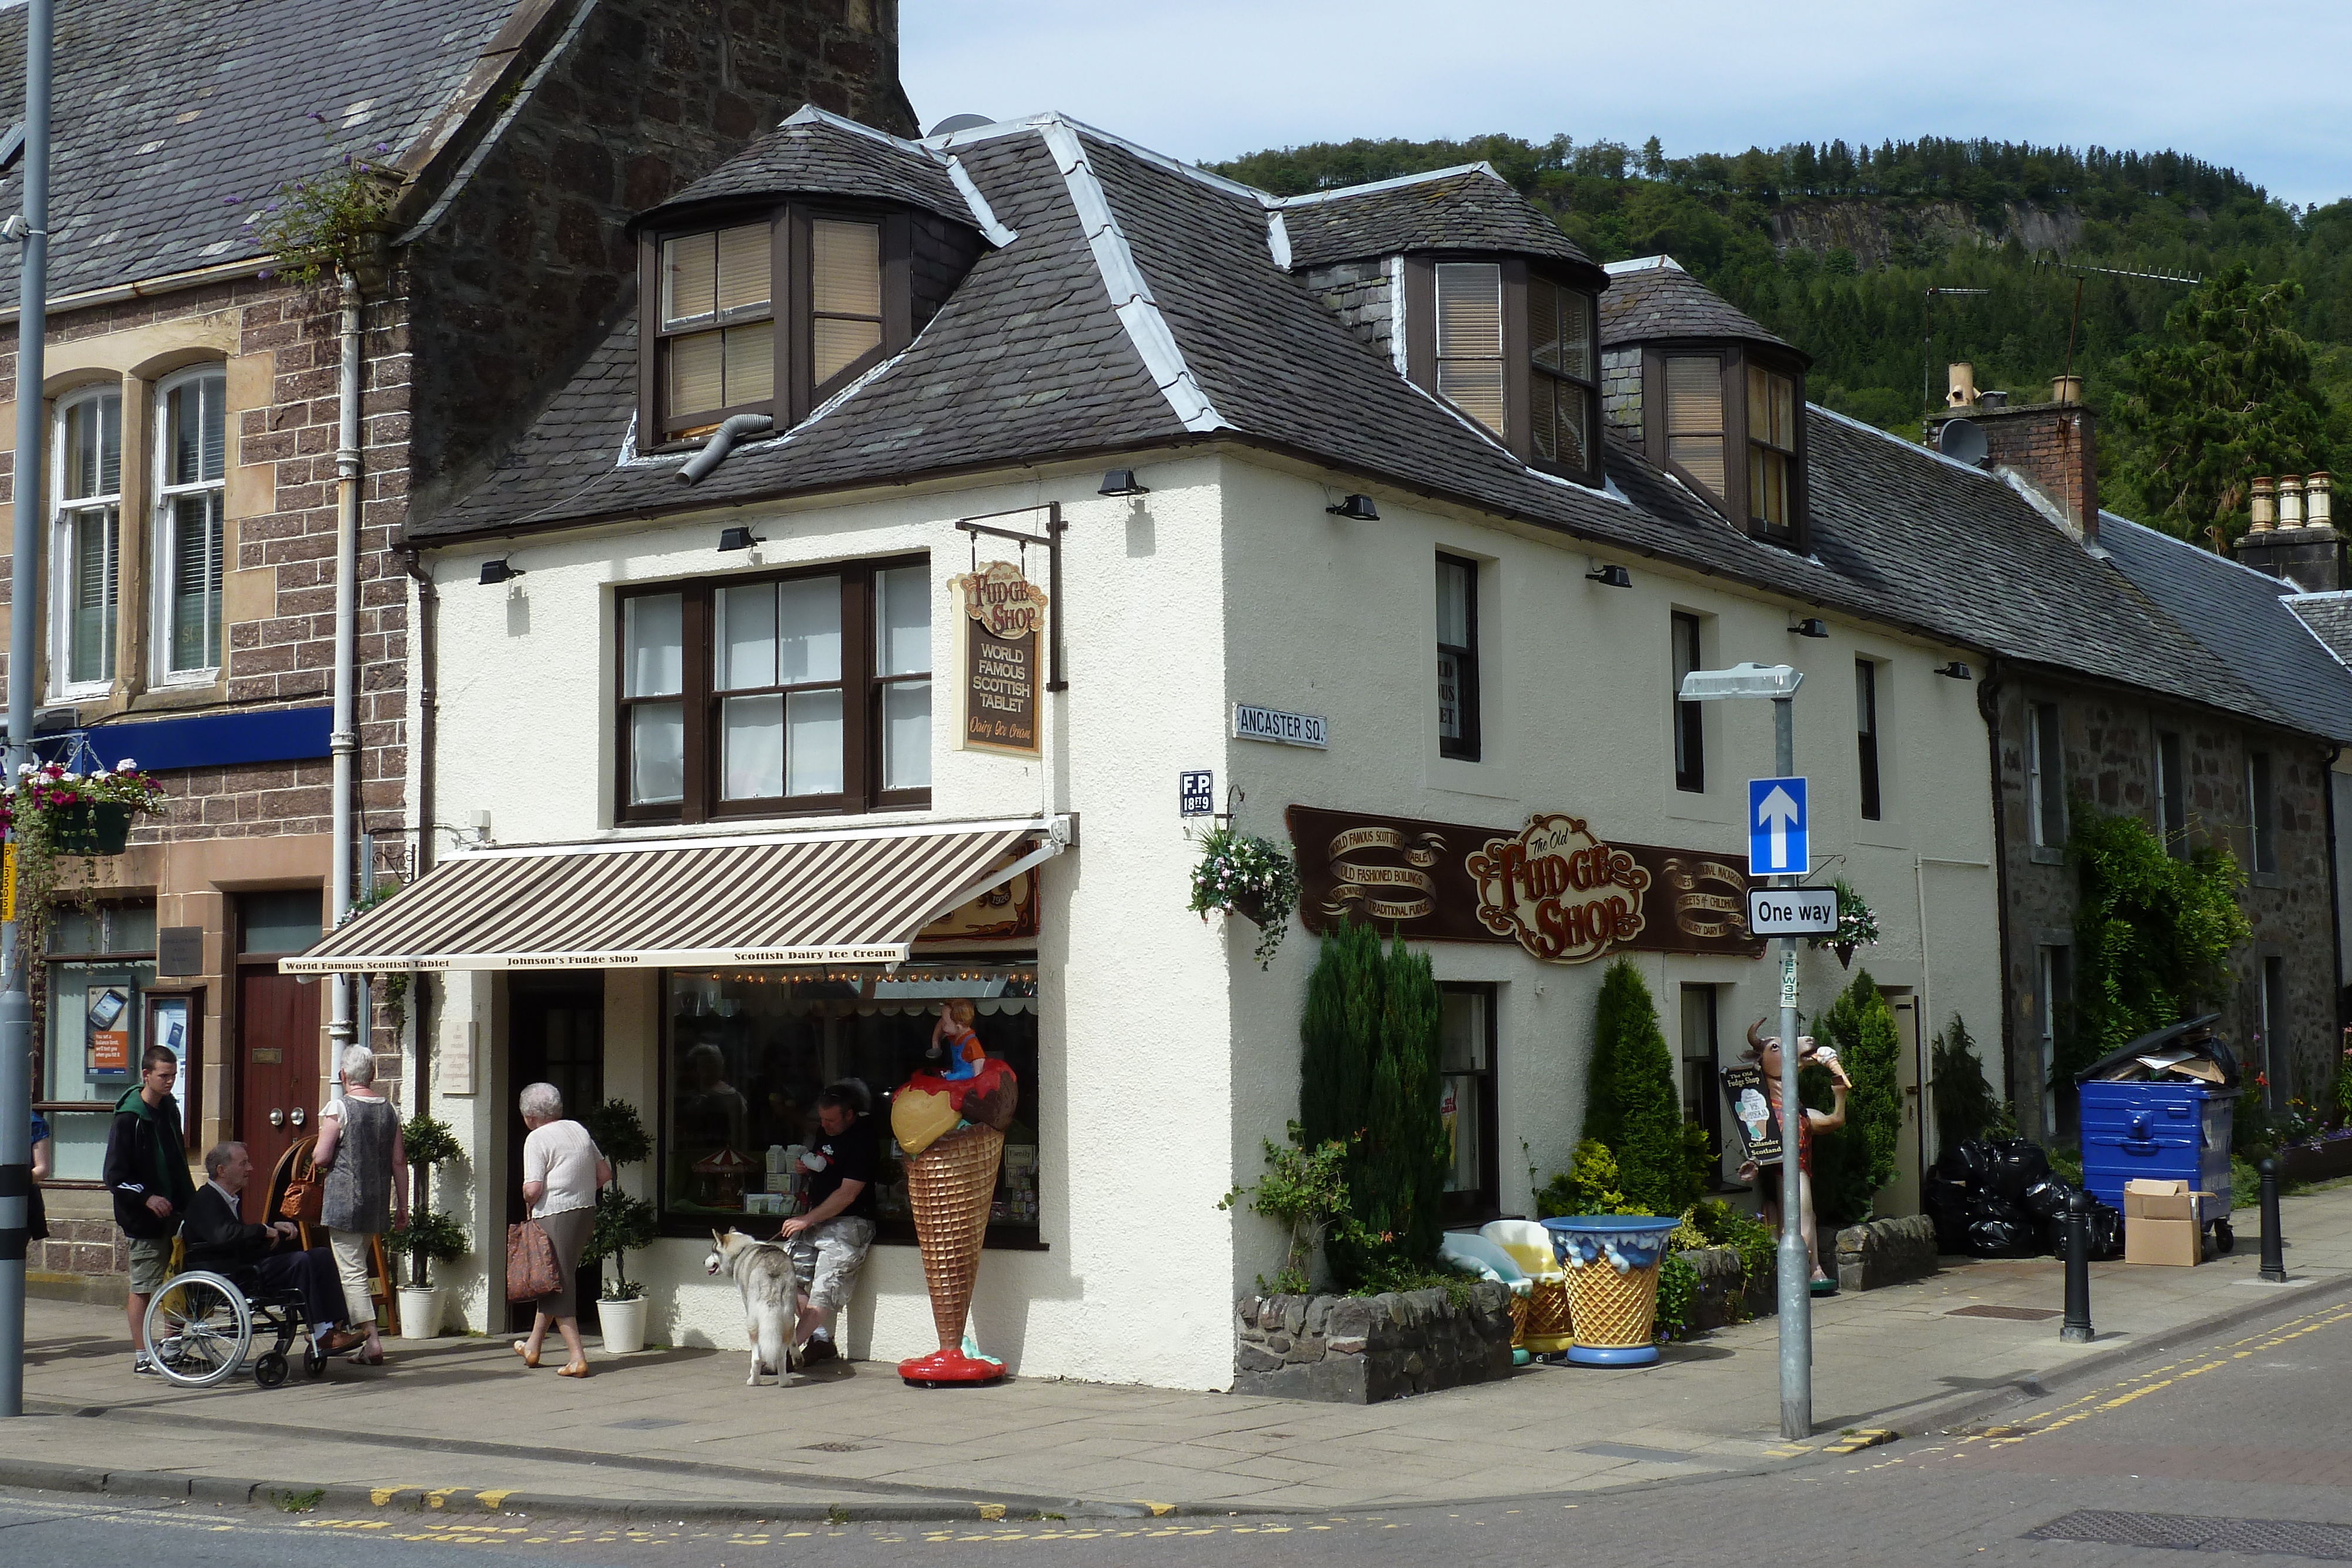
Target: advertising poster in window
{"x": 109, "y": 1034}
{"x": 167, "y": 1025}
{"x": 1003, "y": 627}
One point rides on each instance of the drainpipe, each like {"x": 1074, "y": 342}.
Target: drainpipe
{"x": 1988, "y": 704}
{"x": 428, "y": 627}
{"x": 343, "y": 742}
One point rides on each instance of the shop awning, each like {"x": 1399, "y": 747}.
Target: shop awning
{"x": 854, "y": 897}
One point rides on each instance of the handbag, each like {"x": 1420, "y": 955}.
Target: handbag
{"x": 305, "y": 1200}
{"x": 532, "y": 1272}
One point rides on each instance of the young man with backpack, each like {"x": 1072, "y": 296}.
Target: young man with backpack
{"x": 147, "y": 1171}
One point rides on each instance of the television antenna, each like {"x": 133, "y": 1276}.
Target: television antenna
{"x": 2082, "y": 270}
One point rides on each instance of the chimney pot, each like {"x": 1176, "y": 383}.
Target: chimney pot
{"x": 1961, "y": 378}
{"x": 2265, "y": 506}
{"x": 2318, "y": 502}
{"x": 2290, "y": 501}
{"x": 2066, "y": 389}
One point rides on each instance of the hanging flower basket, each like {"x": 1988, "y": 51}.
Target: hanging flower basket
{"x": 79, "y": 814}
{"x": 1856, "y": 926}
{"x": 98, "y": 828}
{"x": 1251, "y": 877}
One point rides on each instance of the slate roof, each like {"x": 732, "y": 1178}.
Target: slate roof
{"x": 1653, "y": 298}
{"x": 1459, "y": 209}
{"x": 822, "y": 154}
{"x": 2245, "y": 619}
{"x": 1138, "y": 307}
{"x": 2329, "y": 616}
{"x": 175, "y": 121}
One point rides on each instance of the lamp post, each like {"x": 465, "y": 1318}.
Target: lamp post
{"x": 1780, "y": 683}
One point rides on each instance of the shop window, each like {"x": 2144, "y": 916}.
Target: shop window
{"x": 744, "y": 1056}
{"x": 2045, "y": 777}
{"x": 1457, "y": 658}
{"x": 774, "y": 695}
{"x": 1865, "y": 740}
{"x": 1690, "y": 719}
{"x": 100, "y": 964}
{"x": 85, "y": 560}
{"x": 1472, "y": 1184}
{"x": 191, "y": 463}
{"x": 768, "y": 316}
{"x": 2171, "y": 795}
{"x": 1702, "y": 1101}
{"x": 2261, "y": 811}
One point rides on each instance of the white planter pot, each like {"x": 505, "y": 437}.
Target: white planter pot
{"x": 420, "y": 1313}
{"x": 625, "y": 1325}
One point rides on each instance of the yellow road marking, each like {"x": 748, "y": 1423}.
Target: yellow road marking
{"x": 991, "y": 1510}
{"x": 1159, "y": 1510}
{"x": 380, "y": 1495}
{"x": 493, "y": 1500}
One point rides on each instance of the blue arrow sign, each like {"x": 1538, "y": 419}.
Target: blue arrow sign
{"x": 1776, "y": 828}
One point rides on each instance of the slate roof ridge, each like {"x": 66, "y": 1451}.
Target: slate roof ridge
{"x": 1122, "y": 279}
{"x": 810, "y": 114}
{"x": 1887, "y": 436}
{"x": 1663, "y": 302}
{"x": 1044, "y": 119}
{"x": 2167, "y": 540}
{"x": 1393, "y": 181}
{"x": 1661, "y": 262}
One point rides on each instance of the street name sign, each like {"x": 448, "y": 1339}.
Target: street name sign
{"x": 1792, "y": 910}
{"x": 1777, "y": 836}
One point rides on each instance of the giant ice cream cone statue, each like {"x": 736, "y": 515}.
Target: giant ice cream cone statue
{"x": 951, "y": 1125}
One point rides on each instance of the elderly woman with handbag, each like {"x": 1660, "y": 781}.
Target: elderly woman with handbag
{"x": 562, "y": 1171}
{"x": 360, "y": 1149}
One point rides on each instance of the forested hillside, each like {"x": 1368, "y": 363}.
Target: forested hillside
{"x": 1835, "y": 247}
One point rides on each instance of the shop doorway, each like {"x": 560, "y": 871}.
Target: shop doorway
{"x": 1903, "y": 1193}
{"x": 276, "y": 1027}
{"x": 555, "y": 1034}
{"x": 1473, "y": 1187}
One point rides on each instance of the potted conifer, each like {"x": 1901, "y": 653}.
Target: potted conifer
{"x": 430, "y": 1236}
{"x": 624, "y": 1225}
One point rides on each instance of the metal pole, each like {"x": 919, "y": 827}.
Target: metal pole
{"x": 2274, "y": 1244}
{"x": 1796, "y": 1271}
{"x": 2076, "y": 1329}
{"x": 17, "y": 1002}
{"x": 343, "y": 741}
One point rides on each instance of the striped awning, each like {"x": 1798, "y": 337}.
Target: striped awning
{"x": 854, "y": 897}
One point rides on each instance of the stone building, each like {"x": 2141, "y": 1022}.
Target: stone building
{"x": 191, "y": 580}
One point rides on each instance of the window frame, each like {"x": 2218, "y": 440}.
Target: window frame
{"x": 1867, "y": 749}
{"x": 2171, "y": 794}
{"x": 2278, "y": 1064}
{"x": 1475, "y": 1205}
{"x": 701, "y": 699}
{"x": 190, "y": 1088}
{"x": 163, "y": 528}
{"x": 63, "y": 561}
{"x": 2262, "y": 812}
{"x": 1469, "y": 746}
{"x": 790, "y": 306}
{"x": 1689, "y": 718}
{"x": 2053, "y": 984}
{"x": 1420, "y": 305}
{"x": 1734, "y": 357}
{"x": 1699, "y": 1002}
{"x": 2045, "y": 775}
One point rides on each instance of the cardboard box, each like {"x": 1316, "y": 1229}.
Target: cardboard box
{"x": 2146, "y": 1199}
{"x": 2166, "y": 1243}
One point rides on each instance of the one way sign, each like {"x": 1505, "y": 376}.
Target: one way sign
{"x": 1775, "y": 828}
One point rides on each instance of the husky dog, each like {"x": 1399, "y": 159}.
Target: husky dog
{"x": 764, "y": 1272}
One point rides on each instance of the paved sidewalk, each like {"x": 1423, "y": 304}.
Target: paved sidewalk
{"x": 461, "y": 1424}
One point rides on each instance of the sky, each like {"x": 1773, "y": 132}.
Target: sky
{"x": 2247, "y": 86}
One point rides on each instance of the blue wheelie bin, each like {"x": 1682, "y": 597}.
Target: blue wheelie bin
{"x": 2167, "y": 1127}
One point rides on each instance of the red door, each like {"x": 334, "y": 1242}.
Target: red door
{"x": 277, "y": 1096}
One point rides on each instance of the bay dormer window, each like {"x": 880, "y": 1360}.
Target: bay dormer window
{"x": 1727, "y": 419}
{"x": 1511, "y": 348}
{"x": 771, "y": 312}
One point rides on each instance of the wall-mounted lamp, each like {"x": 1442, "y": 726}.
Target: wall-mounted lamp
{"x": 496, "y": 571}
{"x": 1956, "y": 670}
{"x": 738, "y": 538}
{"x": 1811, "y": 626}
{"x": 1357, "y": 508}
{"x": 1122, "y": 482}
{"x": 1610, "y": 576}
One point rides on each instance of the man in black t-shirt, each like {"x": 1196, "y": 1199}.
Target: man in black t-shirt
{"x": 830, "y": 1238}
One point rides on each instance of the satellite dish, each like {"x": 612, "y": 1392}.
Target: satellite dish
{"x": 955, "y": 122}
{"x": 1962, "y": 441}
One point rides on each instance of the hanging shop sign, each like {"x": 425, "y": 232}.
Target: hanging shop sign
{"x": 1564, "y": 892}
{"x": 1004, "y": 624}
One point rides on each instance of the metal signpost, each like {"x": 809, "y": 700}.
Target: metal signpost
{"x": 1778, "y": 845}
{"x": 31, "y": 231}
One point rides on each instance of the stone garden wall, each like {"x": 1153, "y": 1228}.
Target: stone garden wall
{"x": 1359, "y": 1349}
{"x": 1886, "y": 1252}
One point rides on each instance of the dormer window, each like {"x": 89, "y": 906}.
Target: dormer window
{"x": 1511, "y": 348}
{"x": 769, "y": 315}
{"x": 1729, "y": 420}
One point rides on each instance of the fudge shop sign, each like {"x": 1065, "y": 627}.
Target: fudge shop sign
{"x": 1557, "y": 888}
{"x": 1003, "y": 629}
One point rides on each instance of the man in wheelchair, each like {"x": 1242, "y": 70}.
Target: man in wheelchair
{"x": 265, "y": 1261}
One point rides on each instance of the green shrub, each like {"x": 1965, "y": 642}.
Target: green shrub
{"x": 1632, "y": 1102}
{"x": 1369, "y": 1077}
{"x": 1850, "y": 1165}
{"x": 1677, "y": 1297}
{"x": 1589, "y": 1186}
{"x": 1306, "y": 1192}
{"x": 1965, "y": 1106}
{"x": 1724, "y": 1226}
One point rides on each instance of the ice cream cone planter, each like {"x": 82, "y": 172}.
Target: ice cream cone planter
{"x": 1612, "y": 1285}
{"x": 951, "y": 1126}
{"x": 1542, "y": 1324}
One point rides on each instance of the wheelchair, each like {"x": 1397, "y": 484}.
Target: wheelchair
{"x": 202, "y": 1327}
